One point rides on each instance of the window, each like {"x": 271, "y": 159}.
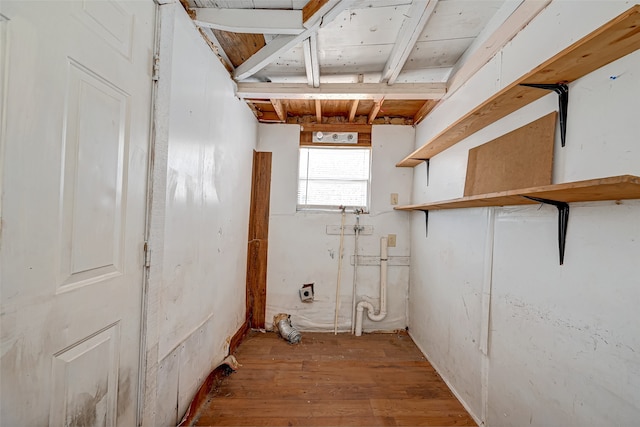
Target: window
{"x": 330, "y": 177}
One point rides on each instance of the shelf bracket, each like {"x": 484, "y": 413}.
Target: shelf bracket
{"x": 426, "y": 223}
{"x": 563, "y": 221}
{"x": 427, "y": 163}
{"x": 563, "y": 97}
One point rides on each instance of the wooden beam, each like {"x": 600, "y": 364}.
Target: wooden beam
{"x": 282, "y": 43}
{"x": 353, "y": 109}
{"x": 423, "y": 111}
{"x": 502, "y": 30}
{"x": 337, "y": 127}
{"x": 348, "y": 91}
{"x": 311, "y": 63}
{"x": 374, "y": 111}
{"x": 416, "y": 18}
{"x": 256, "y": 112}
{"x": 279, "y": 109}
{"x": 269, "y": 117}
{"x": 318, "y": 111}
{"x": 256, "y": 291}
{"x": 250, "y": 21}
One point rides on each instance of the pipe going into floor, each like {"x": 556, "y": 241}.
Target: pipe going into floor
{"x": 365, "y": 305}
{"x": 356, "y": 229}
{"x": 335, "y": 320}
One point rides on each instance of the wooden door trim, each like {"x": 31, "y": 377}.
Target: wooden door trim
{"x": 256, "y": 291}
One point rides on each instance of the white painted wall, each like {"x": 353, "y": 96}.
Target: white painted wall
{"x": 200, "y": 229}
{"x": 562, "y": 341}
{"x": 301, "y": 252}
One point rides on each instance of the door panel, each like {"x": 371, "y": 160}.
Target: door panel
{"x": 75, "y": 137}
{"x": 92, "y": 183}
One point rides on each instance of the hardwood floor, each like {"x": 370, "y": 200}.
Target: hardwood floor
{"x": 332, "y": 380}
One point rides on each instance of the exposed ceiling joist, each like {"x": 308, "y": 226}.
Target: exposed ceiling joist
{"x": 312, "y": 65}
{"x": 416, "y": 18}
{"x": 374, "y": 111}
{"x": 498, "y": 32}
{"x": 349, "y": 91}
{"x": 424, "y": 110}
{"x": 282, "y": 43}
{"x": 279, "y": 109}
{"x": 353, "y": 109}
{"x": 251, "y": 21}
{"x": 318, "y": 111}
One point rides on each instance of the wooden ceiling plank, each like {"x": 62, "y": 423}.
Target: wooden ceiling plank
{"x": 354, "y": 108}
{"x": 374, "y": 111}
{"x": 250, "y": 21}
{"x": 348, "y": 91}
{"x": 283, "y": 43}
{"x": 318, "y": 111}
{"x": 239, "y": 47}
{"x": 279, "y": 109}
{"x": 416, "y": 18}
{"x": 215, "y": 45}
{"x": 312, "y": 8}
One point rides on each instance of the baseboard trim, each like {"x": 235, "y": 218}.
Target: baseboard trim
{"x": 239, "y": 336}
{"x": 477, "y": 419}
{"x": 215, "y": 377}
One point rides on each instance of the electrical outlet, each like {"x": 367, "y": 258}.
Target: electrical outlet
{"x": 391, "y": 240}
{"x": 394, "y": 198}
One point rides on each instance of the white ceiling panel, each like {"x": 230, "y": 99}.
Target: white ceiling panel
{"x": 248, "y": 4}
{"x": 354, "y": 59}
{"x": 290, "y": 62}
{"x": 363, "y": 27}
{"x": 453, "y": 19}
{"x": 436, "y": 54}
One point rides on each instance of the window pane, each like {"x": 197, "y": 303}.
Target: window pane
{"x": 333, "y": 176}
{"x": 337, "y": 163}
{"x": 335, "y": 193}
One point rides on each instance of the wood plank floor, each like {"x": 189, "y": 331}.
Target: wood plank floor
{"x": 332, "y": 380}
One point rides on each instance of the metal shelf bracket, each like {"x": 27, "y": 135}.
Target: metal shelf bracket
{"x": 563, "y": 97}
{"x": 426, "y": 223}
{"x": 563, "y": 221}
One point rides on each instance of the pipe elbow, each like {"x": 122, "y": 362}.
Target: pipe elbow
{"x": 362, "y": 305}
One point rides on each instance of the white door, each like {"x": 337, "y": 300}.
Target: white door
{"x": 75, "y": 138}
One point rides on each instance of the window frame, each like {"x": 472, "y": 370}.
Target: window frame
{"x": 335, "y": 208}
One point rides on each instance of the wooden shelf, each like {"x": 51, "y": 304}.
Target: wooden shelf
{"x": 612, "y": 188}
{"x": 615, "y": 39}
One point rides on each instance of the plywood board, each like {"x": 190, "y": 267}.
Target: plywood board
{"x": 519, "y": 159}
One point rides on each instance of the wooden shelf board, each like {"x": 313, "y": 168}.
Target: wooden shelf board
{"x": 612, "y": 188}
{"x": 615, "y": 39}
